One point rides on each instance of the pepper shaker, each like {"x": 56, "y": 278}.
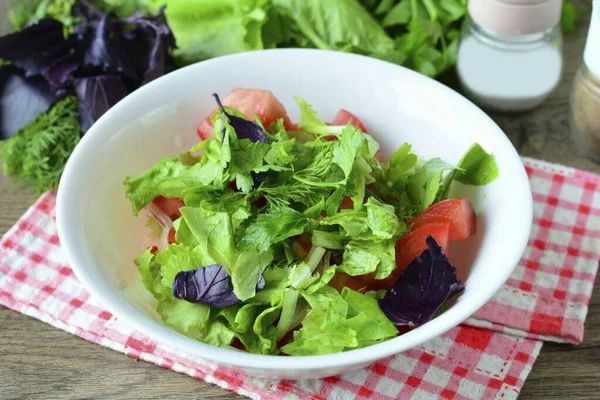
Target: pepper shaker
{"x": 584, "y": 110}
{"x": 510, "y": 53}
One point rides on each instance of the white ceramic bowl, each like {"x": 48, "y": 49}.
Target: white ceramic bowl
{"x": 101, "y": 237}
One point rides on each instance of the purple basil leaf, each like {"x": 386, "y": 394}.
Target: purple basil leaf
{"x": 149, "y": 44}
{"x": 102, "y": 46}
{"x": 37, "y": 47}
{"x": 210, "y": 285}
{"x": 422, "y": 288}
{"x": 96, "y": 95}
{"x": 21, "y": 100}
{"x": 60, "y": 77}
{"x": 244, "y": 129}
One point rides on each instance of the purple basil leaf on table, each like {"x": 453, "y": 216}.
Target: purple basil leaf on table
{"x": 21, "y": 100}
{"x": 243, "y": 128}
{"x": 60, "y": 77}
{"x": 422, "y": 288}
{"x": 96, "y": 95}
{"x": 149, "y": 44}
{"x": 210, "y": 285}
{"x": 37, "y": 47}
{"x": 102, "y": 46}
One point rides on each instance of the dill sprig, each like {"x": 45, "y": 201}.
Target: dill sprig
{"x": 37, "y": 154}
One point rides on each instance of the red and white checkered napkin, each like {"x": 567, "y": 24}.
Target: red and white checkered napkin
{"x": 488, "y": 357}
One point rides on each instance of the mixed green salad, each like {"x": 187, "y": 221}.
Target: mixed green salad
{"x": 277, "y": 238}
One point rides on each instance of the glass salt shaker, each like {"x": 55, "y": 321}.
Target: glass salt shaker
{"x": 584, "y": 110}
{"x": 510, "y": 53}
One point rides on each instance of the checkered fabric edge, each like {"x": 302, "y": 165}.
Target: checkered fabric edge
{"x": 465, "y": 363}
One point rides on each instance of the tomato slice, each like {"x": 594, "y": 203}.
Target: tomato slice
{"x": 457, "y": 212}
{"x": 345, "y": 116}
{"x": 260, "y": 102}
{"x": 204, "y": 130}
{"x": 169, "y": 206}
{"x": 409, "y": 247}
{"x": 347, "y": 204}
{"x": 251, "y": 102}
{"x": 448, "y": 220}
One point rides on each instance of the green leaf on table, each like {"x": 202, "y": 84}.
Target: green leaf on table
{"x": 205, "y": 28}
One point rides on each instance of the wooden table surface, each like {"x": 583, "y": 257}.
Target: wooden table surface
{"x": 38, "y": 361}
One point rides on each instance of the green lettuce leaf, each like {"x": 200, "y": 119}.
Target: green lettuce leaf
{"x": 219, "y": 334}
{"x": 382, "y": 219}
{"x": 346, "y": 149}
{"x": 187, "y": 318}
{"x": 362, "y": 257}
{"x": 338, "y": 322}
{"x": 337, "y": 25}
{"x": 329, "y": 240}
{"x": 310, "y": 122}
{"x": 366, "y": 318}
{"x": 279, "y": 224}
{"x": 423, "y": 186}
{"x": 377, "y": 221}
{"x": 178, "y": 257}
{"x": 214, "y": 232}
{"x": 246, "y": 272}
{"x": 477, "y": 167}
{"x": 150, "y": 272}
{"x": 206, "y": 28}
{"x": 401, "y": 162}
{"x": 249, "y": 157}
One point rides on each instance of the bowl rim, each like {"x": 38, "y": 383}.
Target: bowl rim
{"x": 232, "y": 357}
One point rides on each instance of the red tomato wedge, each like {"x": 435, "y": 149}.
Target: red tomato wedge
{"x": 409, "y": 247}
{"x": 457, "y": 212}
{"x": 345, "y": 116}
{"x": 204, "y": 130}
{"x": 251, "y": 102}
{"x": 447, "y": 220}
{"x": 169, "y": 206}
{"x": 347, "y": 204}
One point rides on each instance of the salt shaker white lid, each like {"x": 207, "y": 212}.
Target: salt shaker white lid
{"x": 591, "y": 55}
{"x": 515, "y": 17}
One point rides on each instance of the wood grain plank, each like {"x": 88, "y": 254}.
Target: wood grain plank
{"x": 41, "y": 362}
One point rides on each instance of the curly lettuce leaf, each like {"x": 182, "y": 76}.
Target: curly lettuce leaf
{"x": 477, "y": 167}
{"x": 214, "y": 231}
{"x": 337, "y": 25}
{"x": 273, "y": 227}
{"x": 189, "y": 319}
{"x": 362, "y": 257}
{"x": 422, "y": 187}
{"x": 338, "y": 322}
{"x": 205, "y": 28}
